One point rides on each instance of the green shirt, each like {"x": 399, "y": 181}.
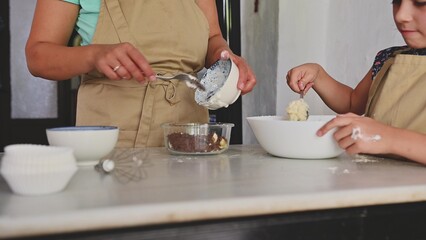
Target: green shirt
{"x": 87, "y": 18}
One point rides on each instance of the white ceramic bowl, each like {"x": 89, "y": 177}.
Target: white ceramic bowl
{"x": 294, "y": 139}
{"x": 221, "y": 81}
{"x": 37, "y": 169}
{"x": 90, "y": 143}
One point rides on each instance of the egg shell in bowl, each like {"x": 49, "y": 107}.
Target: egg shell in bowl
{"x": 295, "y": 139}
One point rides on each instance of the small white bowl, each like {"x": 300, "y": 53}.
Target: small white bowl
{"x": 37, "y": 169}
{"x": 221, "y": 81}
{"x": 294, "y": 139}
{"x": 90, "y": 143}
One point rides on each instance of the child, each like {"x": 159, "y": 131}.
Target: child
{"x": 386, "y": 112}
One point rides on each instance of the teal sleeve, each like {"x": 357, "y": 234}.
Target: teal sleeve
{"x": 73, "y": 1}
{"x": 87, "y": 18}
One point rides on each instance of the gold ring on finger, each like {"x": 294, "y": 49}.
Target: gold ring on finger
{"x": 115, "y": 69}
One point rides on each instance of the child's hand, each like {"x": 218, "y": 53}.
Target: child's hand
{"x": 301, "y": 78}
{"x": 358, "y": 134}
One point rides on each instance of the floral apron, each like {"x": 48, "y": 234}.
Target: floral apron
{"x": 173, "y": 36}
{"x": 397, "y": 95}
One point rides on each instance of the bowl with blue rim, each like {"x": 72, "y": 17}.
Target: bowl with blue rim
{"x": 89, "y": 143}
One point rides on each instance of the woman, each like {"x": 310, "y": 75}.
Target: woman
{"x": 125, "y": 44}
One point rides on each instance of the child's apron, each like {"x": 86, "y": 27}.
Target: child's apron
{"x": 173, "y": 36}
{"x": 397, "y": 95}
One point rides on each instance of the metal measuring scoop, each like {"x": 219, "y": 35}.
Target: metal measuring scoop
{"x": 188, "y": 78}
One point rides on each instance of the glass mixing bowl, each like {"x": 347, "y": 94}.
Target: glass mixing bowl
{"x": 197, "y": 138}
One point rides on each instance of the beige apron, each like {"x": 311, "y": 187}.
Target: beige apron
{"x": 397, "y": 95}
{"x": 173, "y": 36}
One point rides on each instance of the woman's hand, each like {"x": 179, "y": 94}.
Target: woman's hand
{"x": 122, "y": 61}
{"x": 358, "y": 134}
{"x": 301, "y": 78}
{"x": 48, "y": 55}
{"x": 218, "y": 47}
{"x": 247, "y": 79}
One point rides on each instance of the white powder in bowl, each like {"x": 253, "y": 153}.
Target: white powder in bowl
{"x": 214, "y": 78}
{"x": 297, "y": 110}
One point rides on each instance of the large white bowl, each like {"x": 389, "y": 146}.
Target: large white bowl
{"x": 90, "y": 143}
{"x": 221, "y": 81}
{"x": 294, "y": 139}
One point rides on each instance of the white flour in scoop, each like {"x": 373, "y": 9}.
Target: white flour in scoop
{"x": 213, "y": 80}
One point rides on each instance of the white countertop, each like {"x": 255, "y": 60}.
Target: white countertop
{"x": 244, "y": 181}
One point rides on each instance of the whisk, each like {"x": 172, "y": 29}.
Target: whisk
{"x": 124, "y": 164}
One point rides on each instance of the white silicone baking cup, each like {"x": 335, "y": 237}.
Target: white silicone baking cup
{"x": 37, "y": 169}
{"x": 36, "y": 155}
{"x": 38, "y": 183}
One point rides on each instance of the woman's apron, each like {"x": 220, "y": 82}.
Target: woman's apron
{"x": 397, "y": 95}
{"x": 173, "y": 37}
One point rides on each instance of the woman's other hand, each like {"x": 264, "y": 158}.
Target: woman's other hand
{"x": 247, "y": 79}
{"x": 218, "y": 48}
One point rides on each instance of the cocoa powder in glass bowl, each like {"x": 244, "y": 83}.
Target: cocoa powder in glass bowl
{"x": 196, "y": 138}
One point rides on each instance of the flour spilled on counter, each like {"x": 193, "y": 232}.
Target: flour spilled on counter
{"x": 334, "y": 170}
{"x": 365, "y": 159}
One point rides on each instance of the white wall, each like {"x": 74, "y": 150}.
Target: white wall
{"x": 31, "y": 97}
{"x": 341, "y": 35}
{"x": 302, "y": 38}
{"x": 259, "y": 46}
